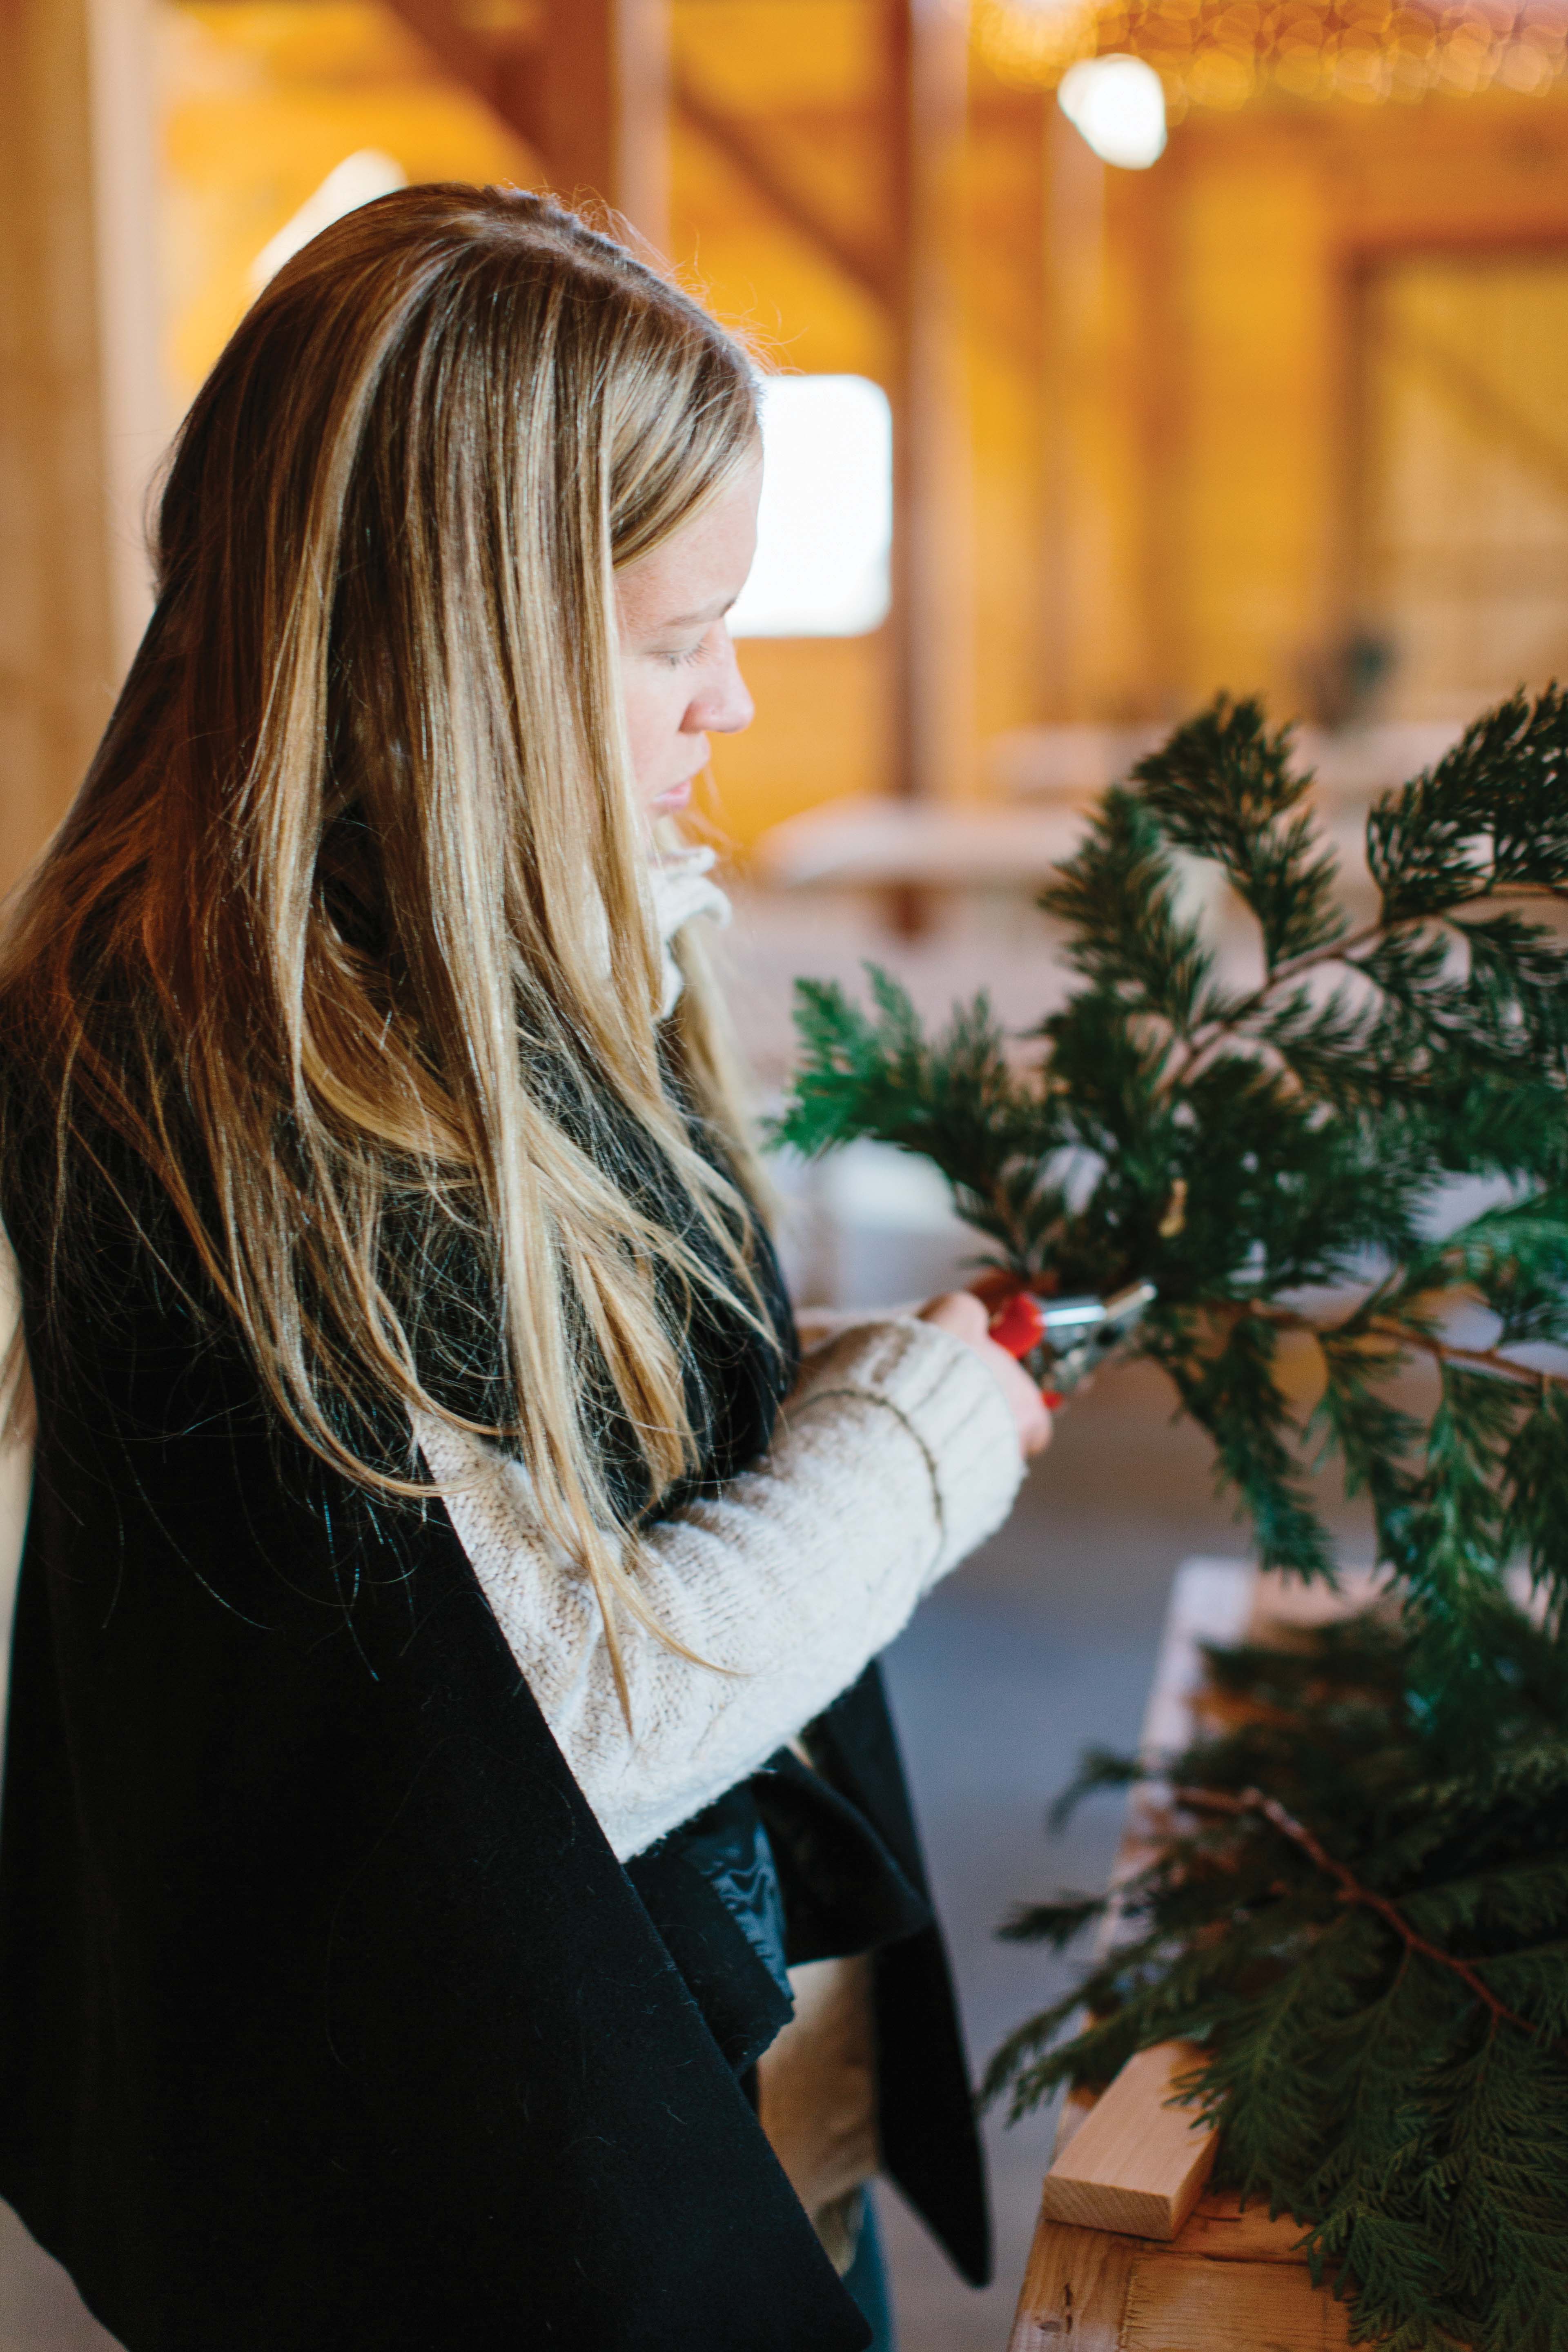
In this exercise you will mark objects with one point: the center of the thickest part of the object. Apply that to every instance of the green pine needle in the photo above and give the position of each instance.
(1359, 2081)
(1275, 1158)
(1242, 1146)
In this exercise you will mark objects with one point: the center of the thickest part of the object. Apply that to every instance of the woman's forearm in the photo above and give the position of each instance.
(895, 1457)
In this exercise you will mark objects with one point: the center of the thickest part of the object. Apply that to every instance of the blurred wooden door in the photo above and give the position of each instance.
(1463, 478)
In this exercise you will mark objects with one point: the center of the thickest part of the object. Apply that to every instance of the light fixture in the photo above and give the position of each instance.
(1117, 105)
(1218, 53)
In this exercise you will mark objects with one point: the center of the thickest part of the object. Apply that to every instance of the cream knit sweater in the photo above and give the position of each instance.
(896, 1455)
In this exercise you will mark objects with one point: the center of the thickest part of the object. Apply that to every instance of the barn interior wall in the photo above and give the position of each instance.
(1160, 447)
(82, 404)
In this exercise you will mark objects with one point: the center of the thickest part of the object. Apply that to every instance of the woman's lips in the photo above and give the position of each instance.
(673, 797)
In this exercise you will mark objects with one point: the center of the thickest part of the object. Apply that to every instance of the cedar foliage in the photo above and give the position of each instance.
(1278, 1155)
(1417, 2125)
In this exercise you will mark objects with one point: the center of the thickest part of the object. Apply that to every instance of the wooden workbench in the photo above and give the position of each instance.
(1230, 2282)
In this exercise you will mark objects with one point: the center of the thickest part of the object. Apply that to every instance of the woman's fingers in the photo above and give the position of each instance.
(960, 1312)
(1030, 1411)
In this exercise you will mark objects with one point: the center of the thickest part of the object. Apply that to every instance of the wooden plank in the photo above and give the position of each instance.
(1178, 2303)
(1219, 2230)
(1075, 2292)
(1136, 2163)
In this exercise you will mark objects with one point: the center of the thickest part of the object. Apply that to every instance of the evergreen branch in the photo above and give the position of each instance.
(1236, 1019)
(1373, 1875)
(1222, 787)
(1233, 1146)
(1411, 1334)
(1483, 1359)
(1373, 2096)
(1351, 1889)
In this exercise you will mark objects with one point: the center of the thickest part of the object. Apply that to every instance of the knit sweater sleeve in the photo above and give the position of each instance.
(894, 1456)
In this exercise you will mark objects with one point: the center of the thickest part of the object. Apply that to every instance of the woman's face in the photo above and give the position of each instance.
(680, 678)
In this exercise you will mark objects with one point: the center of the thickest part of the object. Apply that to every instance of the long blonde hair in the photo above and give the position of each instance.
(350, 911)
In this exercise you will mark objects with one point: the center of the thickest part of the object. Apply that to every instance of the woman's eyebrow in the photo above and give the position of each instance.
(713, 611)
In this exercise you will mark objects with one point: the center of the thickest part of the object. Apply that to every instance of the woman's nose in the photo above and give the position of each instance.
(724, 707)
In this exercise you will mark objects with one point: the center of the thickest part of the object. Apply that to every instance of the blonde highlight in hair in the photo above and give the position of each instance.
(350, 916)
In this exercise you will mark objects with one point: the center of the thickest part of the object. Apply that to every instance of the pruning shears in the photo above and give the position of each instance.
(1061, 1341)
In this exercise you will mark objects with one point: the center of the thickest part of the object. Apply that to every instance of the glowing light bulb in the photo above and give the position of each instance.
(1117, 105)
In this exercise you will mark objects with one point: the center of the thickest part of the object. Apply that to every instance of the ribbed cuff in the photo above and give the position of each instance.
(953, 1407)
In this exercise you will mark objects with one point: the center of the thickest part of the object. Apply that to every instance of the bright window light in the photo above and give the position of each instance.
(825, 534)
(356, 181)
(1119, 106)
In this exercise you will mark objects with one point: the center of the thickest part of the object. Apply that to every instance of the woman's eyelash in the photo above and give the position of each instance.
(684, 659)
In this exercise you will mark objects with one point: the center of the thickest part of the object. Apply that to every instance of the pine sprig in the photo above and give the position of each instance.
(1362, 1916)
(1239, 1146)
(1223, 788)
(1374, 1957)
(956, 1099)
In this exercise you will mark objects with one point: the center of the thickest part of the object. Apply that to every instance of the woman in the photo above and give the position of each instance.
(445, 1745)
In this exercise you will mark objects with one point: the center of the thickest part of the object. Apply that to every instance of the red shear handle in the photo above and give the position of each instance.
(1018, 1324)
(1019, 1327)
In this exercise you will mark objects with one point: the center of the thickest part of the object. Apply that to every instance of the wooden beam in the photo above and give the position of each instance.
(590, 94)
(1072, 390)
(606, 117)
(508, 75)
(464, 55)
(83, 417)
(869, 268)
(925, 75)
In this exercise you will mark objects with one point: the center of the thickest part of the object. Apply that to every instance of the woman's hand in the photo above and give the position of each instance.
(960, 1312)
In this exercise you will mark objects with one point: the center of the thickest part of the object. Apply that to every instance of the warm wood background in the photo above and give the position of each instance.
(1179, 429)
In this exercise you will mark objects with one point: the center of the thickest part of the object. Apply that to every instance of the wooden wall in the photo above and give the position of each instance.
(1155, 476)
(1219, 475)
(81, 406)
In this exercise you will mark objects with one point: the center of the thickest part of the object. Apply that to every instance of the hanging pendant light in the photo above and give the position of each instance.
(1117, 105)
(1219, 53)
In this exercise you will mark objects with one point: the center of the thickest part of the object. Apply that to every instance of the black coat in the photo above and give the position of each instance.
(328, 2021)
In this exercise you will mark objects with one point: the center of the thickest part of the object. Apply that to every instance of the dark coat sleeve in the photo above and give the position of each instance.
(328, 2021)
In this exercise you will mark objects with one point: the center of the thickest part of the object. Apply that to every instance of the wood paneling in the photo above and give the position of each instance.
(81, 405)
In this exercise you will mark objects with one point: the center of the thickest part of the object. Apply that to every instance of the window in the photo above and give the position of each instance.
(825, 529)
